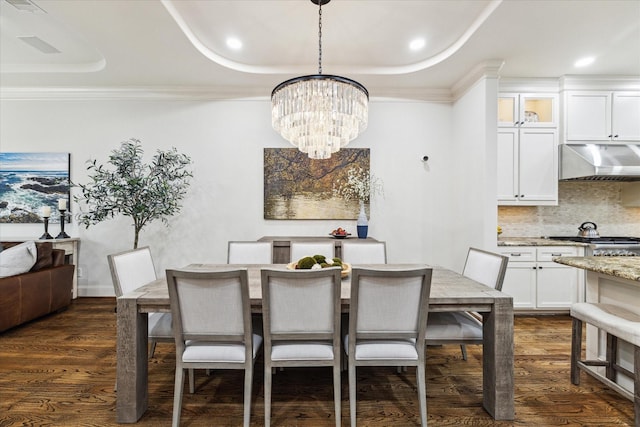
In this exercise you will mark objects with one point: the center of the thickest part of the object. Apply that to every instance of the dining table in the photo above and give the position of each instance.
(450, 291)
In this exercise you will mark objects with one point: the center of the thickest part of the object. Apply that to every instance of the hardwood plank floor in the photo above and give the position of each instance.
(60, 371)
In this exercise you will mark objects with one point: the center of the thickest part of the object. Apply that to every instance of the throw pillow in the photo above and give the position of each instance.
(18, 259)
(45, 258)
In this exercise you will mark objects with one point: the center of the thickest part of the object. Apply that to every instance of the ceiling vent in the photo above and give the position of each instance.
(25, 6)
(38, 43)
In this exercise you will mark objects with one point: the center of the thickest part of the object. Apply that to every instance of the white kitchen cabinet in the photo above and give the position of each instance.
(603, 116)
(539, 284)
(527, 171)
(527, 110)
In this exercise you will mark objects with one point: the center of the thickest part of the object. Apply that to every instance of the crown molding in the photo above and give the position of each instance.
(510, 84)
(571, 82)
(487, 69)
(194, 93)
(128, 93)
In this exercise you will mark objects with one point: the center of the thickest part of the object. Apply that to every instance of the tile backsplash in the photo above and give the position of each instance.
(579, 201)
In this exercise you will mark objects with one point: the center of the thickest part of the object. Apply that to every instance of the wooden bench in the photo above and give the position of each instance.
(618, 323)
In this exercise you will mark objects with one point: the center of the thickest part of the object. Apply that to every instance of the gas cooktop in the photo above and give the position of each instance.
(604, 240)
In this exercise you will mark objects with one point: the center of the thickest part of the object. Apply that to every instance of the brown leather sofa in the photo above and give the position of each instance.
(46, 288)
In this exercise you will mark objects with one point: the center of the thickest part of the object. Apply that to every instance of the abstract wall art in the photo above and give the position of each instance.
(296, 187)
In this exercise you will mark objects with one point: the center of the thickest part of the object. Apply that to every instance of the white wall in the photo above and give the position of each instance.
(472, 218)
(424, 204)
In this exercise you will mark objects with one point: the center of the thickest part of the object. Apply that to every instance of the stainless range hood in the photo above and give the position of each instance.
(599, 162)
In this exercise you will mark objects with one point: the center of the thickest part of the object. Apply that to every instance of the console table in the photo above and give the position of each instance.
(282, 245)
(70, 247)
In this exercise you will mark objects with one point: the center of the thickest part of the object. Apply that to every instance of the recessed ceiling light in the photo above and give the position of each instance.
(417, 44)
(583, 62)
(234, 43)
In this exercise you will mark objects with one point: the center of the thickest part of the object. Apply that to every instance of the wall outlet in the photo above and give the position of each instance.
(80, 272)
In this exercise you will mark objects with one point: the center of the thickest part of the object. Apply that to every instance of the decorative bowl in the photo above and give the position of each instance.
(346, 268)
(339, 236)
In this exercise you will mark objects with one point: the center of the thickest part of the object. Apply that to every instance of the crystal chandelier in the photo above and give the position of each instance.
(319, 113)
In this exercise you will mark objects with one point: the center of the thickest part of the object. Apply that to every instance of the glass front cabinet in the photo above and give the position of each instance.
(527, 110)
(527, 148)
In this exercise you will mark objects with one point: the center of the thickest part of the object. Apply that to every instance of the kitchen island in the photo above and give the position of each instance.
(610, 280)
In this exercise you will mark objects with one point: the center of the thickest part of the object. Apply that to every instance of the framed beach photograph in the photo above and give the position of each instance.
(31, 182)
(296, 187)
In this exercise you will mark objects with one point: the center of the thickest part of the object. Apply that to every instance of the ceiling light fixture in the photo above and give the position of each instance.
(234, 43)
(416, 44)
(583, 62)
(319, 113)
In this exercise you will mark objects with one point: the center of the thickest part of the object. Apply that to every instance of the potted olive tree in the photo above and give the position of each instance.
(144, 192)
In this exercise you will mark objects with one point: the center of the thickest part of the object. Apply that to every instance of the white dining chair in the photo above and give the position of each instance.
(355, 252)
(303, 249)
(301, 322)
(387, 324)
(459, 327)
(249, 252)
(212, 327)
(130, 270)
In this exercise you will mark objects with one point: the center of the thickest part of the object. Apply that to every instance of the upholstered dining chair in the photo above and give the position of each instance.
(249, 252)
(355, 252)
(130, 270)
(387, 323)
(301, 322)
(462, 327)
(302, 249)
(212, 327)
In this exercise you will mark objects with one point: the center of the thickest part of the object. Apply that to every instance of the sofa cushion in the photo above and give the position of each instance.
(18, 259)
(45, 256)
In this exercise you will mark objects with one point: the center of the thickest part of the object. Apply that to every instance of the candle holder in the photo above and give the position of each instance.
(46, 234)
(62, 234)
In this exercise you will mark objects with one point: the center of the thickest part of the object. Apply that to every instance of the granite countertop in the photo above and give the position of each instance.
(616, 266)
(536, 241)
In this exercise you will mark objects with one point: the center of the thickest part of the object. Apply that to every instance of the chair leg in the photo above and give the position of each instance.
(192, 382)
(248, 380)
(422, 393)
(177, 396)
(463, 349)
(352, 392)
(336, 392)
(267, 392)
(576, 350)
(152, 349)
(636, 383)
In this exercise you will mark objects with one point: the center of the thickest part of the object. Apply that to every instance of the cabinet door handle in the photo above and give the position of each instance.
(522, 195)
(610, 136)
(516, 254)
(615, 136)
(556, 254)
(540, 267)
(534, 267)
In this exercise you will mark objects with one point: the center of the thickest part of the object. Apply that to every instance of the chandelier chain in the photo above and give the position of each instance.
(320, 37)
(319, 113)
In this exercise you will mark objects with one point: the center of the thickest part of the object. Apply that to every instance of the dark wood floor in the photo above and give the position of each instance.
(60, 371)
